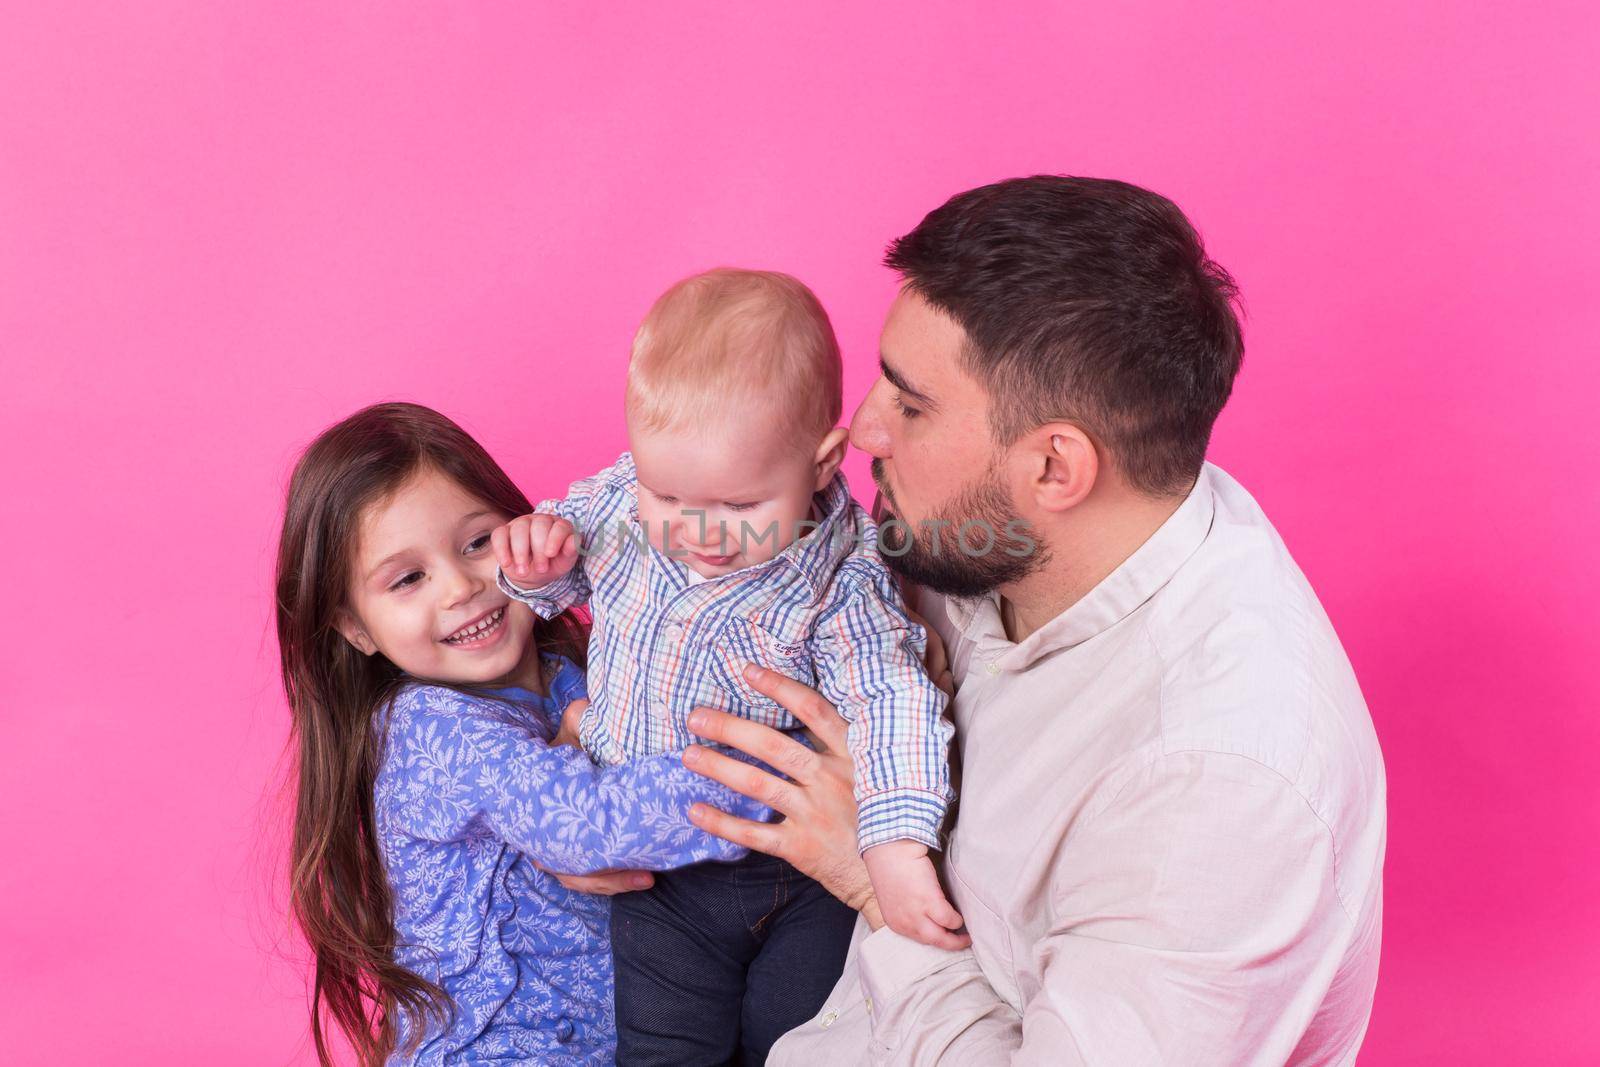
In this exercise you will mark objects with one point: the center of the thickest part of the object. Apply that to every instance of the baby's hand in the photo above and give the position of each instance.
(535, 550)
(909, 896)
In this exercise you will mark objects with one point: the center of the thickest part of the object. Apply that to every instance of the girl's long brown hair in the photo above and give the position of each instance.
(338, 891)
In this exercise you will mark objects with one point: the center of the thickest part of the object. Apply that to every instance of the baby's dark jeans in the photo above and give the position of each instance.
(719, 960)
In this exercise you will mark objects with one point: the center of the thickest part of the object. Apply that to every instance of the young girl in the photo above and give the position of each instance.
(432, 797)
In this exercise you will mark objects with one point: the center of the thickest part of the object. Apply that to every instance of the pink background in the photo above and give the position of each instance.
(224, 226)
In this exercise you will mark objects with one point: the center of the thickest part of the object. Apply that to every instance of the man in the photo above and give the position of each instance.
(1170, 833)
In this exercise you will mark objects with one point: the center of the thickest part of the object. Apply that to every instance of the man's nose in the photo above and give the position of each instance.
(868, 429)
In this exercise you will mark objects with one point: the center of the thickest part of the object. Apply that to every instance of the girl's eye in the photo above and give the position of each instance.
(478, 543)
(905, 409)
(410, 578)
(741, 507)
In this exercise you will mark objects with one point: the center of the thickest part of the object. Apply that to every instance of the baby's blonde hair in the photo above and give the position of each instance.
(731, 340)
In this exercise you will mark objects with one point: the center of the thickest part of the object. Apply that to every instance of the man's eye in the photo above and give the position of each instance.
(411, 578)
(905, 409)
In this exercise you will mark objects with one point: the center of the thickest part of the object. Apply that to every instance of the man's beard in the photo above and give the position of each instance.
(997, 549)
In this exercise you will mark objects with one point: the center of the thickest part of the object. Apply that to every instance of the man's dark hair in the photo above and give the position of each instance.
(1090, 301)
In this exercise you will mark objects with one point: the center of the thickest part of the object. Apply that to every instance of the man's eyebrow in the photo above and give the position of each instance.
(904, 386)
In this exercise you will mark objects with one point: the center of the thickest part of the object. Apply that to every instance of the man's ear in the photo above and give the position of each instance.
(1061, 465)
(830, 453)
(354, 633)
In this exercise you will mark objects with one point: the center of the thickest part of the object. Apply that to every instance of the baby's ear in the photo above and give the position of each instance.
(354, 633)
(830, 454)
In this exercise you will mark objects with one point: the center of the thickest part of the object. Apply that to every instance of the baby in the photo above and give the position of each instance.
(727, 536)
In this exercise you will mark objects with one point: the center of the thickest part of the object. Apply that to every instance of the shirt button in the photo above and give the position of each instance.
(869, 1005)
(992, 667)
(828, 1019)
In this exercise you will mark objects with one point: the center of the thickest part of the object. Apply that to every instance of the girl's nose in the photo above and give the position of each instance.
(461, 584)
(869, 431)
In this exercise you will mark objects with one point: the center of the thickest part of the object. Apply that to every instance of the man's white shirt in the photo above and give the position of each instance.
(1169, 841)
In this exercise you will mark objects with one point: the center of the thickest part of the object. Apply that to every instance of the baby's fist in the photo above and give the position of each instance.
(909, 896)
(535, 550)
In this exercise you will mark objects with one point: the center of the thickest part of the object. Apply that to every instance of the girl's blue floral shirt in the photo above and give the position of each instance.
(469, 796)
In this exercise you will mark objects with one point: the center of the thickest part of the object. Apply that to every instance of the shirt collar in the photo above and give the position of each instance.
(1139, 578)
(817, 555)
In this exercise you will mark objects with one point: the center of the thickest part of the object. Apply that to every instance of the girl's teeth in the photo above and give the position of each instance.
(477, 628)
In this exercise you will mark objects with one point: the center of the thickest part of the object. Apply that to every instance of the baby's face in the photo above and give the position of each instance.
(725, 501)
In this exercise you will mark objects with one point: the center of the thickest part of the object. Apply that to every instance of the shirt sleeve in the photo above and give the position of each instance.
(868, 656)
(1193, 920)
(460, 767)
(586, 506)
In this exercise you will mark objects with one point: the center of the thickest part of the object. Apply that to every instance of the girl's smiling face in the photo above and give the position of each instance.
(422, 589)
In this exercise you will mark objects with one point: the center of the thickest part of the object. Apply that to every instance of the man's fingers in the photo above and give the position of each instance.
(758, 836)
(937, 662)
(739, 776)
(804, 703)
(771, 747)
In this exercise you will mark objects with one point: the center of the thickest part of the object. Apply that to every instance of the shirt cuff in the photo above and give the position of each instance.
(899, 815)
(890, 964)
(545, 600)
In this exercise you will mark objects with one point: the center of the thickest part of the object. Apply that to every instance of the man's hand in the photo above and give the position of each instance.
(936, 661)
(818, 832)
(535, 550)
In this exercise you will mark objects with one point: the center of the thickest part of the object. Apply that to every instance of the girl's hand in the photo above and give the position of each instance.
(603, 883)
(568, 734)
(818, 832)
(535, 550)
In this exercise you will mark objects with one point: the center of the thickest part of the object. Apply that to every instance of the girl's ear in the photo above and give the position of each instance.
(830, 453)
(354, 633)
